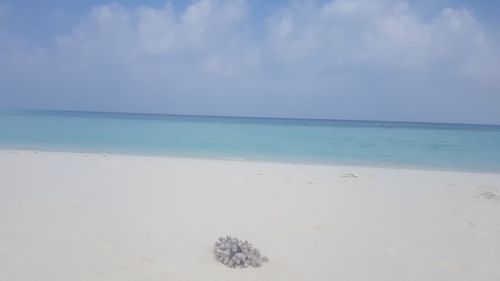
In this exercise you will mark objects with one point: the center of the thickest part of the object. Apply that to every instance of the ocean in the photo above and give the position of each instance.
(439, 146)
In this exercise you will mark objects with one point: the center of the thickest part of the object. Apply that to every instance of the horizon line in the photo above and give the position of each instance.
(241, 116)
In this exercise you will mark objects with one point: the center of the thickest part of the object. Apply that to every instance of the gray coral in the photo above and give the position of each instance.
(236, 253)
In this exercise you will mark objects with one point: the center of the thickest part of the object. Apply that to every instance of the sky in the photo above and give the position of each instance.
(398, 60)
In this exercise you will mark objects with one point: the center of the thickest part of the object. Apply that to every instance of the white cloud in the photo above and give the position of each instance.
(141, 35)
(205, 24)
(106, 34)
(383, 33)
(211, 35)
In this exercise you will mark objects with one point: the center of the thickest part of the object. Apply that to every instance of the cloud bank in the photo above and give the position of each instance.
(354, 59)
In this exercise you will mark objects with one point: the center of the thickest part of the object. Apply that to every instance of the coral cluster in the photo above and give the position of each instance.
(235, 253)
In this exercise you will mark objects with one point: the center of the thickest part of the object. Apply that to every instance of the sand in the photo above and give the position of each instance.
(70, 216)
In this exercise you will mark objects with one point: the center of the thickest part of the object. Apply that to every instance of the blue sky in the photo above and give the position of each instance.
(343, 59)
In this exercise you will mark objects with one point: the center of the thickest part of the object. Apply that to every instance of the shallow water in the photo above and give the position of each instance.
(369, 143)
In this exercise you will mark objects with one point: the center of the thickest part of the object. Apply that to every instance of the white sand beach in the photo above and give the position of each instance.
(76, 216)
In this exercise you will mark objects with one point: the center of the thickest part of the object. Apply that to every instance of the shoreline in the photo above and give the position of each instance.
(243, 160)
(76, 216)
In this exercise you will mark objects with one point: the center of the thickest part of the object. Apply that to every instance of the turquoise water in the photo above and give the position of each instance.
(367, 143)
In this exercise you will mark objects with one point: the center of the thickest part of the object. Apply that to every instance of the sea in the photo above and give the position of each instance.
(436, 146)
